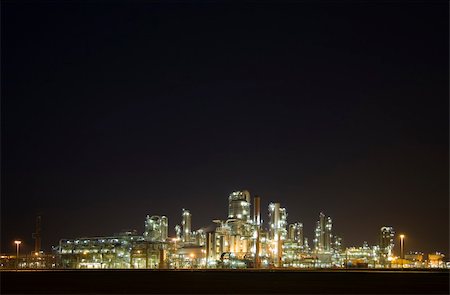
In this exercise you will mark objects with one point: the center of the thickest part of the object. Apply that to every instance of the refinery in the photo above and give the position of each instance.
(242, 240)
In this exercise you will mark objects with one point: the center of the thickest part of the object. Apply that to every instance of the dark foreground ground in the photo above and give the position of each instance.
(228, 282)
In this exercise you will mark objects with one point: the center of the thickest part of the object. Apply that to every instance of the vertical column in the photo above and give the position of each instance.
(257, 222)
(164, 228)
(186, 223)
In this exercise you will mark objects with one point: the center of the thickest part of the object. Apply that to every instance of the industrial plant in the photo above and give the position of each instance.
(242, 240)
(239, 241)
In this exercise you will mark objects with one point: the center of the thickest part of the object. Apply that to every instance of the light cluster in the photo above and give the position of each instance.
(240, 241)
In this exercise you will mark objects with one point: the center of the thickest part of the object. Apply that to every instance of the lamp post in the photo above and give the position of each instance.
(402, 244)
(17, 252)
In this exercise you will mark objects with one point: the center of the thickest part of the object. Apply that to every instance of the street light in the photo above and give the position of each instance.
(17, 255)
(402, 244)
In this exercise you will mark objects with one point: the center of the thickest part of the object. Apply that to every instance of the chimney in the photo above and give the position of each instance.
(257, 221)
(257, 211)
(37, 235)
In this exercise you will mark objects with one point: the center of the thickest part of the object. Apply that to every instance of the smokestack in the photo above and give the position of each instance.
(257, 211)
(257, 221)
(276, 217)
(37, 235)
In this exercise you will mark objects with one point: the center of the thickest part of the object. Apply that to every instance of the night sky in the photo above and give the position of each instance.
(114, 111)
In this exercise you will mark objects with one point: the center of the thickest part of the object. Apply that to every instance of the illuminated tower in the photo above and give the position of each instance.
(327, 235)
(178, 232)
(319, 233)
(164, 228)
(239, 205)
(274, 220)
(291, 232)
(306, 247)
(151, 232)
(296, 233)
(257, 233)
(277, 230)
(337, 244)
(322, 240)
(283, 224)
(156, 228)
(186, 223)
(257, 211)
(387, 234)
(299, 235)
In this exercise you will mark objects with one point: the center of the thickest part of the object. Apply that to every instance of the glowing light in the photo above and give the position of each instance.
(17, 242)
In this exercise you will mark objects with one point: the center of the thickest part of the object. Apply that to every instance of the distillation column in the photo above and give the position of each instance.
(257, 222)
(186, 223)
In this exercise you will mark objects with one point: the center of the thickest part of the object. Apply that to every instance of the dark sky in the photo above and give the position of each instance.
(111, 112)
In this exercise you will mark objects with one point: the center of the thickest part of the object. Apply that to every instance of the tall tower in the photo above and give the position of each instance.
(337, 244)
(299, 235)
(178, 232)
(164, 228)
(186, 223)
(239, 205)
(319, 233)
(306, 245)
(37, 235)
(296, 233)
(274, 221)
(257, 211)
(156, 228)
(323, 235)
(257, 223)
(277, 230)
(327, 234)
(387, 234)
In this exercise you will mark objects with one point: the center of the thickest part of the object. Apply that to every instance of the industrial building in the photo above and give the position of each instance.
(123, 250)
(241, 240)
(386, 245)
